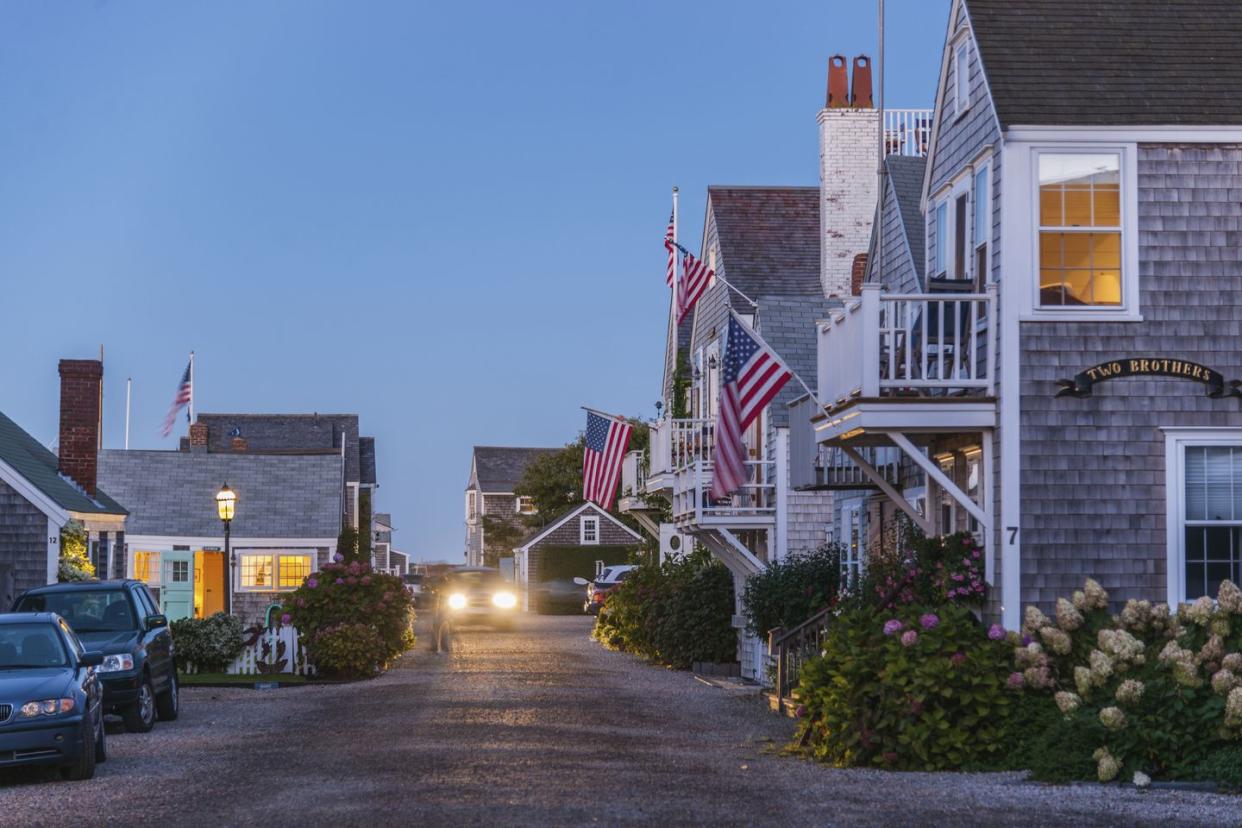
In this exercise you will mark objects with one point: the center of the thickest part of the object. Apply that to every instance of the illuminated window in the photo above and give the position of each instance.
(147, 567)
(526, 505)
(293, 570)
(1079, 229)
(256, 571)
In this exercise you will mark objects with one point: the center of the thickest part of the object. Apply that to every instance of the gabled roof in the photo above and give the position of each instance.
(278, 495)
(769, 239)
(788, 325)
(905, 176)
(1111, 62)
(40, 468)
(499, 468)
(535, 537)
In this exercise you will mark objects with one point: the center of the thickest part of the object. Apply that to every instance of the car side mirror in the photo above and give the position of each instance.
(581, 581)
(91, 659)
(154, 622)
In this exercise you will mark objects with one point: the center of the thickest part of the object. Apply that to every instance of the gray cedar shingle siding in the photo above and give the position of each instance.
(1093, 477)
(23, 540)
(788, 325)
(611, 534)
(279, 496)
(1112, 62)
(902, 225)
(289, 432)
(959, 140)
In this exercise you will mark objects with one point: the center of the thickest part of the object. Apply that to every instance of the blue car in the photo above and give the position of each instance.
(51, 700)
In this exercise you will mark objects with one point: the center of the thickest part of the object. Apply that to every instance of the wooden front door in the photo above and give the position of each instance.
(208, 583)
(177, 593)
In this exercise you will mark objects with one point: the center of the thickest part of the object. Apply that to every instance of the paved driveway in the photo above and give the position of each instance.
(536, 727)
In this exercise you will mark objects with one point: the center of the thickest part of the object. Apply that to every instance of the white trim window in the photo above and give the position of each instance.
(273, 570)
(1204, 486)
(1080, 231)
(982, 197)
(961, 78)
(853, 528)
(953, 232)
(588, 530)
(472, 506)
(525, 505)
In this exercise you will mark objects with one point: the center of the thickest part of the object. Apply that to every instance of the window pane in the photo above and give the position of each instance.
(942, 236)
(1195, 581)
(960, 215)
(1218, 475)
(1079, 190)
(1077, 287)
(1050, 250)
(1106, 250)
(1196, 484)
(1050, 288)
(256, 571)
(1076, 250)
(1107, 205)
(1077, 207)
(1107, 287)
(983, 225)
(293, 570)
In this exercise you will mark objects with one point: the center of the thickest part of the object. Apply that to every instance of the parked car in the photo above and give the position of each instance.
(476, 595)
(414, 585)
(604, 584)
(121, 620)
(556, 597)
(51, 699)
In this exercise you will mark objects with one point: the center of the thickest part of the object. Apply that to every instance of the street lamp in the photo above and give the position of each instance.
(226, 505)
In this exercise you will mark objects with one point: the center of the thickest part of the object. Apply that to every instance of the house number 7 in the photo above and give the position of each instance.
(1013, 534)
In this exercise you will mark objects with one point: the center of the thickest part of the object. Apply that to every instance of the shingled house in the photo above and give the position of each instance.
(288, 516)
(571, 546)
(40, 491)
(1063, 371)
(494, 473)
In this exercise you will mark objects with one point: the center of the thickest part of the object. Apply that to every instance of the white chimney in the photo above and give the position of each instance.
(848, 159)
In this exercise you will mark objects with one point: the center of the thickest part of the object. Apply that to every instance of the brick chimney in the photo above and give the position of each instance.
(238, 444)
(857, 273)
(81, 411)
(198, 437)
(848, 160)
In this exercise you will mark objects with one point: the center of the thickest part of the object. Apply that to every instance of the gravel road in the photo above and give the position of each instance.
(536, 727)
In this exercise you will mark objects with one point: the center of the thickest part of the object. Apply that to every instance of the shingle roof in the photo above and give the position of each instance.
(1111, 62)
(499, 468)
(291, 432)
(39, 466)
(905, 175)
(769, 239)
(788, 325)
(278, 496)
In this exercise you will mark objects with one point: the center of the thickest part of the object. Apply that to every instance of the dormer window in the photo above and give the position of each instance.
(1080, 229)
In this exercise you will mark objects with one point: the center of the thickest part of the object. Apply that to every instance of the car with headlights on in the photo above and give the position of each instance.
(477, 595)
(51, 699)
(121, 620)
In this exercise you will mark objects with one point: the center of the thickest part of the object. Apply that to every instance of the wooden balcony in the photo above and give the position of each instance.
(907, 362)
(907, 131)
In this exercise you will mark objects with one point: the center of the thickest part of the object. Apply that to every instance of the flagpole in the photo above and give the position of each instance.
(672, 318)
(191, 386)
(129, 385)
(722, 280)
(794, 373)
(604, 414)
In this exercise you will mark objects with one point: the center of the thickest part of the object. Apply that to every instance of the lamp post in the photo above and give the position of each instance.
(226, 505)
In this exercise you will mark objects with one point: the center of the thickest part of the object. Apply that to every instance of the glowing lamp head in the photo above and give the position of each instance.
(226, 502)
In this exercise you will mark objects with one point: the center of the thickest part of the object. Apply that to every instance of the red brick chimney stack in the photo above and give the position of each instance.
(81, 412)
(198, 437)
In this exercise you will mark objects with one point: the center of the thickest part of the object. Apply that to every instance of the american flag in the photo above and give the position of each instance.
(185, 392)
(607, 439)
(751, 376)
(695, 277)
(672, 250)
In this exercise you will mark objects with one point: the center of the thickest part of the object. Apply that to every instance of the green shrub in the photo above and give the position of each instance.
(350, 593)
(789, 591)
(209, 644)
(1145, 691)
(678, 613)
(74, 564)
(1222, 764)
(347, 650)
(912, 689)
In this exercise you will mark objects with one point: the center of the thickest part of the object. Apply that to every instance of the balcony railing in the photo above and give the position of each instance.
(908, 345)
(907, 131)
(835, 470)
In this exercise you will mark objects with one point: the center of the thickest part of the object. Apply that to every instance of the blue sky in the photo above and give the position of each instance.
(444, 217)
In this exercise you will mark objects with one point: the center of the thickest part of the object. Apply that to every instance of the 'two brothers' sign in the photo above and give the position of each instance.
(1080, 385)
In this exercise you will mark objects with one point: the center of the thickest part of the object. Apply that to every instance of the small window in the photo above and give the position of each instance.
(589, 531)
(961, 78)
(853, 525)
(526, 505)
(180, 572)
(1079, 229)
(472, 506)
(983, 226)
(147, 567)
(256, 571)
(293, 570)
(942, 239)
(961, 213)
(272, 571)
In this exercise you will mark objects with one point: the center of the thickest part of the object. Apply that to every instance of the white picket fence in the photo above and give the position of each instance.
(277, 650)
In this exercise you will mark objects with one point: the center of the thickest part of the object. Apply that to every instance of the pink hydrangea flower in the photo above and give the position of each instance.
(1016, 681)
(909, 638)
(958, 659)
(351, 580)
(366, 579)
(286, 618)
(996, 632)
(930, 621)
(312, 583)
(338, 557)
(340, 581)
(892, 626)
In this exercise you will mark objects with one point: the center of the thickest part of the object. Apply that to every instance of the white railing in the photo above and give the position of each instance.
(275, 650)
(691, 440)
(908, 344)
(633, 474)
(836, 470)
(659, 456)
(693, 446)
(907, 131)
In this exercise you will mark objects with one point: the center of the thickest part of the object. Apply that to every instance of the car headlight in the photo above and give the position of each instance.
(116, 663)
(46, 707)
(505, 600)
(457, 601)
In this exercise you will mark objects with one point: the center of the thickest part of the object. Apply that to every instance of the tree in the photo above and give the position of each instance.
(499, 538)
(347, 543)
(74, 564)
(364, 526)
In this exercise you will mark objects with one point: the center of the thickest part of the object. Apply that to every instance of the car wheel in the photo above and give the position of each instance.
(83, 767)
(101, 741)
(168, 704)
(140, 716)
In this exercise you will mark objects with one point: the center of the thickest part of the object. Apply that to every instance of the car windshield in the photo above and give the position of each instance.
(31, 645)
(475, 580)
(87, 611)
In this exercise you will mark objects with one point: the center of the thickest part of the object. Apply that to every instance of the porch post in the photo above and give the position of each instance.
(870, 311)
(780, 545)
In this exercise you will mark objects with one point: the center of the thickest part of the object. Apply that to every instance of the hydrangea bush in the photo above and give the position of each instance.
(351, 594)
(1158, 692)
